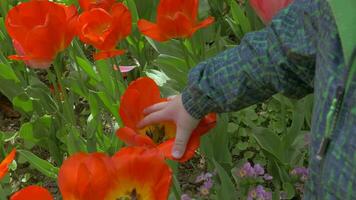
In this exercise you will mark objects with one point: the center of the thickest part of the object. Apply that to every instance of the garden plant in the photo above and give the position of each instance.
(76, 77)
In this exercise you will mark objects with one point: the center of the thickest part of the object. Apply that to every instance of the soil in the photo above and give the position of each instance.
(9, 118)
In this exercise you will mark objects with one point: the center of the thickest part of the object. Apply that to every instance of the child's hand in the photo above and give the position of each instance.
(174, 111)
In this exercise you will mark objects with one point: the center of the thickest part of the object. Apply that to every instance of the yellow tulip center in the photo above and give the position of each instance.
(133, 195)
(159, 132)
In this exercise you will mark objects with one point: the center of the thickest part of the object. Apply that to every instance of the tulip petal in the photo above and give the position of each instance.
(86, 176)
(151, 30)
(206, 22)
(175, 19)
(193, 144)
(90, 4)
(144, 171)
(140, 94)
(94, 26)
(42, 29)
(208, 122)
(4, 165)
(266, 10)
(32, 193)
(108, 54)
(131, 138)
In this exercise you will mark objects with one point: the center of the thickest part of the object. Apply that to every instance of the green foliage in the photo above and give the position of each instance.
(80, 113)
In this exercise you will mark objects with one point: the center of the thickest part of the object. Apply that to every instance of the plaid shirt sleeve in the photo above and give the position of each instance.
(279, 58)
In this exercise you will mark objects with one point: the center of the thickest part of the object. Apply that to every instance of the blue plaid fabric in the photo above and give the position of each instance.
(297, 54)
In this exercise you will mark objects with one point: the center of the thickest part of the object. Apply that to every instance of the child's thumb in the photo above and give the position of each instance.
(180, 143)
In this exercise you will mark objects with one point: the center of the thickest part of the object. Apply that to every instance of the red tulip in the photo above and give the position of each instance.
(140, 174)
(141, 94)
(267, 9)
(86, 176)
(40, 30)
(32, 193)
(104, 29)
(131, 173)
(90, 4)
(175, 19)
(4, 165)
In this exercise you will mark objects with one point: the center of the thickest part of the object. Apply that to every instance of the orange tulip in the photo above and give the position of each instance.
(4, 165)
(32, 193)
(40, 30)
(90, 4)
(86, 176)
(141, 94)
(104, 29)
(133, 173)
(175, 19)
(267, 9)
(141, 174)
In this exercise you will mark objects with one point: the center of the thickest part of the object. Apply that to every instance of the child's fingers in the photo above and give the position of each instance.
(154, 108)
(153, 118)
(171, 97)
(180, 142)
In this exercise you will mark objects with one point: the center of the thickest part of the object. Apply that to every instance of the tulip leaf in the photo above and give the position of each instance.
(239, 17)
(88, 68)
(268, 141)
(133, 9)
(8, 73)
(41, 165)
(227, 189)
(23, 102)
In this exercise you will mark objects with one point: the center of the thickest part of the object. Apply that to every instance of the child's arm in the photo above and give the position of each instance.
(279, 58)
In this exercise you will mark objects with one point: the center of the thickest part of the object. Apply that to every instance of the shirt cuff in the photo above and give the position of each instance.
(196, 104)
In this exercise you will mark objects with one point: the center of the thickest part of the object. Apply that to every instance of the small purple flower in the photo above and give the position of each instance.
(267, 196)
(200, 178)
(185, 197)
(302, 172)
(259, 193)
(208, 184)
(252, 194)
(267, 177)
(247, 170)
(204, 191)
(259, 169)
(203, 177)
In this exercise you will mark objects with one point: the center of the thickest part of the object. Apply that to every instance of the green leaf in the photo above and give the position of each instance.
(289, 189)
(8, 73)
(41, 165)
(93, 104)
(88, 68)
(268, 141)
(26, 132)
(75, 142)
(109, 104)
(132, 7)
(239, 17)
(216, 143)
(227, 189)
(105, 71)
(23, 102)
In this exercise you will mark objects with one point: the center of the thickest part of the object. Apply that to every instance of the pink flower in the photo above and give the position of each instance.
(124, 69)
